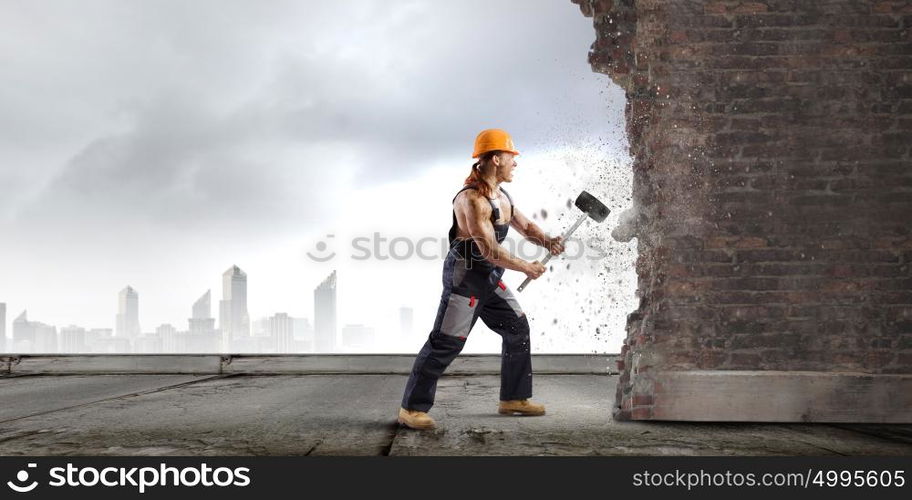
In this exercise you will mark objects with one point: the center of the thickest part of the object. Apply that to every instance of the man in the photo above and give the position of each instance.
(472, 286)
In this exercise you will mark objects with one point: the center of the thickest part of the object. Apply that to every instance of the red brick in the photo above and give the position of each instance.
(641, 413)
(773, 183)
(642, 400)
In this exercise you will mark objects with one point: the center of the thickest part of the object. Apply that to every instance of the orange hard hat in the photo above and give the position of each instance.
(493, 139)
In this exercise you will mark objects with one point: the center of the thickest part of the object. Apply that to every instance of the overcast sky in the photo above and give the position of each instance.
(157, 143)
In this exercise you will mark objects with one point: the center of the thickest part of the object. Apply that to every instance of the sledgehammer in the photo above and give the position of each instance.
(591, 207)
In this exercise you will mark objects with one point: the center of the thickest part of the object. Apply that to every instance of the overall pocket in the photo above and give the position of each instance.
(457, 320)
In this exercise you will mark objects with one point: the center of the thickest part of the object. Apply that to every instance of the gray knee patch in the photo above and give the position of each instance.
(503, 292)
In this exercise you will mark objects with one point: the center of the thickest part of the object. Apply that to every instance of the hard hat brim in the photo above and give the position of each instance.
(476, 155)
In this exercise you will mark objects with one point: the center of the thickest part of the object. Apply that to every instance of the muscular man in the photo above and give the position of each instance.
(472, 286)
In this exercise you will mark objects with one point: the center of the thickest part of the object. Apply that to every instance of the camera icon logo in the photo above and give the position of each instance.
(21, 477)
(321, 247)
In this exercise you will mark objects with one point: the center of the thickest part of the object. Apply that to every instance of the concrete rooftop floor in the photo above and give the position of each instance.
(354, 414)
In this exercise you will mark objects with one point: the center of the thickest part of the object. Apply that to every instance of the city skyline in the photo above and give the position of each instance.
(289, 333)
(157, 165)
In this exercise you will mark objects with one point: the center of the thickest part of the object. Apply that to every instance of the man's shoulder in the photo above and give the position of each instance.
(471, 199)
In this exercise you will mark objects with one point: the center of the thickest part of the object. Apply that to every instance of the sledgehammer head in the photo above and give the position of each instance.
(590, 205)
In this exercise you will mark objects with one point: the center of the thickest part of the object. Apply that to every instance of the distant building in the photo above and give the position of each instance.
(23, 334)
(253, 345)
(170, 342)
(73, 340)
(148, 343)
(303, 335)
(202, 336)
(357, 337)
(45, 338)
(127, 321)
(259, 327)
(303, 330)
(202, 308)
(166, 331)
(234, 321)
(325, 315)
(263, 339)
(33, 336)
(95, 339)
(199, 343)
(113, 345)
(281, 329)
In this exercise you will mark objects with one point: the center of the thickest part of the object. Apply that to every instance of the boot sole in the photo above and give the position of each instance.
(522, 413)
(417, 427)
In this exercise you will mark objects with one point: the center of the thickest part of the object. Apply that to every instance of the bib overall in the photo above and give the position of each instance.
(472, 289)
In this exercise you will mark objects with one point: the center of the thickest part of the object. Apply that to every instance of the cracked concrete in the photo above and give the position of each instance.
(355, 415)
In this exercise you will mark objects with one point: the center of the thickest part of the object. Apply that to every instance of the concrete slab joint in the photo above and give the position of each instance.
(224, 362)
(215, 364)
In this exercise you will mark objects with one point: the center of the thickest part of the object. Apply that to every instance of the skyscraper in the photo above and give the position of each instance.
(23, 334)
(202, 320)
(233, 318)
(325, 315)
(127, 324)
(202, 308)
(202, 336)
(2, 327)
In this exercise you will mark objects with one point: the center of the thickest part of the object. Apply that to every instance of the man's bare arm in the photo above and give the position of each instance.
(534, 233)
(477, 213)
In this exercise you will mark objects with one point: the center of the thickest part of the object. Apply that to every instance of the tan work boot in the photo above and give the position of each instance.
(416, 419)
(520, 406)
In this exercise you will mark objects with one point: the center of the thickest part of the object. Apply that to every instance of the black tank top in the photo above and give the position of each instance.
(464, 247)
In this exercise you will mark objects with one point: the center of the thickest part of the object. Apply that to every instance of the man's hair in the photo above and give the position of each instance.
(474, 178)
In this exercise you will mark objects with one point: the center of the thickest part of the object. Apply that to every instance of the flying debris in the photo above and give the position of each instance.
(626, 229)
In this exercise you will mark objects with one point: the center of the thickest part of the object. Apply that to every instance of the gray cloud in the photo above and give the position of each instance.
(212, 113)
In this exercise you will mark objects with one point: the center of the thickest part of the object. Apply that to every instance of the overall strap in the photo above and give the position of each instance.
(461, 190)
(509, 198)
(495, 210)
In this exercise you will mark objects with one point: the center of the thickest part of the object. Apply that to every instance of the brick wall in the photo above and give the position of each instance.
(772, 182)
